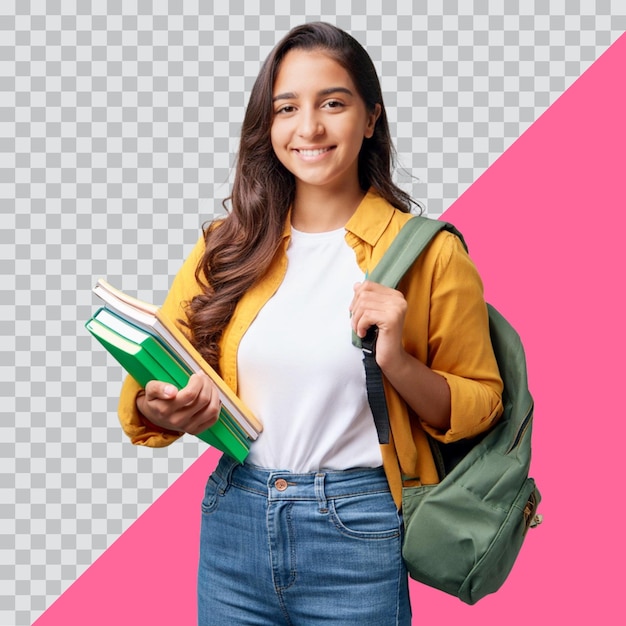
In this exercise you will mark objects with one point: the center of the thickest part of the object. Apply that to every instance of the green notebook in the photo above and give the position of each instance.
(145, 358)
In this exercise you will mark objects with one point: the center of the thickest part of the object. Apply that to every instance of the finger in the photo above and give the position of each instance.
(356, 288)
(205, 416)
(200, 424)
(192, 392)
(215, 405)
(361, 318)
(205, 397)
(366, 293)
(362, 322)
(157, 390)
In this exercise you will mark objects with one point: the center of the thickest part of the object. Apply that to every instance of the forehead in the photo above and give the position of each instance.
(303, 70)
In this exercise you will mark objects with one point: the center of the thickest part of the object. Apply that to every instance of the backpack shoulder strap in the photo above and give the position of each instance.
(404, 250)
(407, 246)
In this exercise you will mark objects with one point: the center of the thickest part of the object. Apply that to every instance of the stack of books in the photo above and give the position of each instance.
(149, 346)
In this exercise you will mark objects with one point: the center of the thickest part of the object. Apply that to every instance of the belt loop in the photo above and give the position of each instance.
(223, 473)
(320, 492)
(232, 466)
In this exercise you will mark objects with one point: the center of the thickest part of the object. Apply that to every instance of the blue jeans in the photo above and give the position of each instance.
(299, 549)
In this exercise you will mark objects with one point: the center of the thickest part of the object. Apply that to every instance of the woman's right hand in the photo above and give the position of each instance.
(192, 409)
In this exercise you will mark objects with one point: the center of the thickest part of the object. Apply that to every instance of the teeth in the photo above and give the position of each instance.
(312, 153)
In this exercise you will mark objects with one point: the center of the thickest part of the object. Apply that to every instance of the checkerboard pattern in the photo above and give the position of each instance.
(119, 126)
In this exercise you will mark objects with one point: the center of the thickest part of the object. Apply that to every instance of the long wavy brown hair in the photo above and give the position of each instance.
(241, 246)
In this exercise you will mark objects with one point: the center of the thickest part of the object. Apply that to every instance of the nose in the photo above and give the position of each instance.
(309, 124)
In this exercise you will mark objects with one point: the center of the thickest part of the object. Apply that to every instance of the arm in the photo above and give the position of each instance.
(446, 330)
(424, 390)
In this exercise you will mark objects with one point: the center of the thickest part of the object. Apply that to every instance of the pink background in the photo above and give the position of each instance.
(544, 225)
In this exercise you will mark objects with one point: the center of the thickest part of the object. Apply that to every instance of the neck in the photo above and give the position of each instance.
(319, 210)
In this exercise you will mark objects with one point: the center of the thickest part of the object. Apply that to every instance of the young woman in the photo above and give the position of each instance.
(309, 529)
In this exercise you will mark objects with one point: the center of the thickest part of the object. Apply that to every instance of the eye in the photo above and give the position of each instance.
(285, 109)
(333, 104)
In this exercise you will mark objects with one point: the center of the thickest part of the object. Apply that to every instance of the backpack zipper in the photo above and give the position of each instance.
(522, 429)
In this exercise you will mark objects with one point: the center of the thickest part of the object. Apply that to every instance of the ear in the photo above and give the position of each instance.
(372, 118)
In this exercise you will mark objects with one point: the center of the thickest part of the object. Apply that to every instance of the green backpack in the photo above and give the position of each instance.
(462, 536)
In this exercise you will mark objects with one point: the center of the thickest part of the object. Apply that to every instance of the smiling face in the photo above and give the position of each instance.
(319, 122)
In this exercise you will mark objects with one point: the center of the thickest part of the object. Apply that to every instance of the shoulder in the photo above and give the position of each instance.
(443, 261)
(449, 263)
(446, 246)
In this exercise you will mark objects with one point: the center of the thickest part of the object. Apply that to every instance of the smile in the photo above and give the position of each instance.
(313, 153)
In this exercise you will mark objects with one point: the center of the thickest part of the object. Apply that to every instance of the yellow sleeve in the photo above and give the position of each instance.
(136, 426)
(459, 345)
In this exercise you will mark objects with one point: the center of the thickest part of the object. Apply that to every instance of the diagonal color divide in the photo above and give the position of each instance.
(544, 225)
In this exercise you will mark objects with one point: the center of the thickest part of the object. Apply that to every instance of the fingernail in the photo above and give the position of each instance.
(169, 390)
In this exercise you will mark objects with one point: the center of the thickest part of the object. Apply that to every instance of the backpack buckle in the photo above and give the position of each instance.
(368, 343)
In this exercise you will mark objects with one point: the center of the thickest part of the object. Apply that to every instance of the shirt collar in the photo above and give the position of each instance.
(371, 218)
(368, 222)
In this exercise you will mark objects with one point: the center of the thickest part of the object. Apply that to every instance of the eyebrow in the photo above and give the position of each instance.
(290, 95)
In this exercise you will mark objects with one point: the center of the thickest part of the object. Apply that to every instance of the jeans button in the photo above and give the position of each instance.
(281, 484)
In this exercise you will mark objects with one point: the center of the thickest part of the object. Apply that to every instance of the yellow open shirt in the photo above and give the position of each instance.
(446, 327)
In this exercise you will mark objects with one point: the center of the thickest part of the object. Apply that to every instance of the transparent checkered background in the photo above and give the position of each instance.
(119, 123)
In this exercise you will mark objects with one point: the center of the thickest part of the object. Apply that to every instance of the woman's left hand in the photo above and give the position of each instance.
(376, 305)
(424, 390)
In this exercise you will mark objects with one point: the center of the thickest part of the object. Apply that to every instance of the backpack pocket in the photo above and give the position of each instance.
(458, 542)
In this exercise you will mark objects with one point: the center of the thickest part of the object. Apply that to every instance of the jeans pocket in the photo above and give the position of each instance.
(214, 489)
(366, 516)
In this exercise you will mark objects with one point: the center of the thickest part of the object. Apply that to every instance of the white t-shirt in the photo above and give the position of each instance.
(298, 370)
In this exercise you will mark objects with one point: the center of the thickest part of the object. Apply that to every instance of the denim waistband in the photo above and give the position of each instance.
(285, 485)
